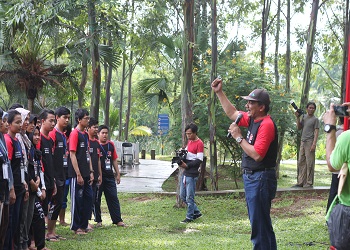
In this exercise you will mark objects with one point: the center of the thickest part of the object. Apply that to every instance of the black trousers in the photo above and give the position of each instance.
(333, 190)
(38, 225)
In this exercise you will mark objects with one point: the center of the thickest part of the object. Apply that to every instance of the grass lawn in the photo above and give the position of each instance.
(154, 223)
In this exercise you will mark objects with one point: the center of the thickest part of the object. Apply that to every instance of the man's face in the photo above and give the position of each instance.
(311, 109)
(15, 126)
(63, 120)
(190, 135)
(103, 135)
(93, 130)
(84, 122)
(253, 108)
(49, 123)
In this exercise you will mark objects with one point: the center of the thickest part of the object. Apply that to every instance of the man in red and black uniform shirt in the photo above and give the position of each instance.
(81, 173)
(94, 147)
(45, 145)
(258, 160)
(108, 186)
(62, 115)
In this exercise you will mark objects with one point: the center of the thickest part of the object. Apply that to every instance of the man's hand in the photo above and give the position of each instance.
(216, 85)
(12, 196)
(329, 117)
(80, 180)
(54, 192)
(91, 178)
(183, 165)
(117, 178)
(235, 130)
(43, 194)
(99, 180)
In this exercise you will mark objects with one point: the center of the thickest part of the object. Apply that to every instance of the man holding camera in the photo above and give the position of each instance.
(258, 160)
(194, 158)
(306, 163)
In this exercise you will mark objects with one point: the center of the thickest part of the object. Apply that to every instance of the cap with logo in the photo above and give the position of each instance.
(258, 95)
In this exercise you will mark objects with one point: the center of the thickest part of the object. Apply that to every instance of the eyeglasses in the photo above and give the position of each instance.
(86, 118)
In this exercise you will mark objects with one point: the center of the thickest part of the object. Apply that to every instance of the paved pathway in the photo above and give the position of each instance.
(146, 177)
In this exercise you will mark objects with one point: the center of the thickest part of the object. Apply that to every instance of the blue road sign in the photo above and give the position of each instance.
(163, 124)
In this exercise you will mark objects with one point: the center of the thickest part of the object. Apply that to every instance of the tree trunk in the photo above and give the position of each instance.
(277, 40)
(127, 115)
(212, 101)
(264, 29)
(95, 59)
(187, 65)
(83, 80)
(288, 49)
(108, 87)
(121, 100)
(309, 54)
(345, 51)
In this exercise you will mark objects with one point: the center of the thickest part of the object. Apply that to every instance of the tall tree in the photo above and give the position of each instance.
(309, 53)
(95, 58)
(264, 30)
(212, 100)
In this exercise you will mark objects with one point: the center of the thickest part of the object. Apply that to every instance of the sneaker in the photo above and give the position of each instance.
(186, 221)
(196, 216)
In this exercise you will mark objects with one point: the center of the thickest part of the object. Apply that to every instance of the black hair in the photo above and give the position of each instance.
(16, 105)
(30, 135)
(102, 127)
(310, 103)
(44, 113)
(1, 113)
(68, 129)
(62, 111)
(92, 122)
(193, 128)
(12, 113)
(80, 114)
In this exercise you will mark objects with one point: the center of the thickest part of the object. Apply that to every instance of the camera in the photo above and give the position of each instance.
(180, 156)
(300, 111)
(341, 110)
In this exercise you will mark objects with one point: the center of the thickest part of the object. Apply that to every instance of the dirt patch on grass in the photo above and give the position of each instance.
(295, 206)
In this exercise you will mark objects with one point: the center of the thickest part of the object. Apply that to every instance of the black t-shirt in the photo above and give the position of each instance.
(79, 142)
(59, 155)
(108, 154)
(45, 146)
(16, 158)
(94, 148)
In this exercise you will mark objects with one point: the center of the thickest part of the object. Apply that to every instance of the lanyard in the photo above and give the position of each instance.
(104, 149)
(3, 151)
(85, 137)
(63, 139)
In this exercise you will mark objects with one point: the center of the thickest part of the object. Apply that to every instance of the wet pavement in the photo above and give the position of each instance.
(148, 176)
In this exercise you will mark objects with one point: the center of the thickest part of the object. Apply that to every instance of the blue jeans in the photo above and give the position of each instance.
(187, 193)
(260, 189)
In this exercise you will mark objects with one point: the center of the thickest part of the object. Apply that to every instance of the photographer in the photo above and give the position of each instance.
(258, 160)
(306, 163)
(194, 158)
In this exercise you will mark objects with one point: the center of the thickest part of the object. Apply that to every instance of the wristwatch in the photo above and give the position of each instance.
(239, 140)
(328, 128)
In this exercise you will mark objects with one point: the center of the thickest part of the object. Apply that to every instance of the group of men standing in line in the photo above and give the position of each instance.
(40, 160)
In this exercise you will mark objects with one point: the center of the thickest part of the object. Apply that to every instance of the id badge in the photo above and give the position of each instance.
(65, 160)
(88, 157)
(22, 173)
(108, 164)
(5, 171)
(35, 168)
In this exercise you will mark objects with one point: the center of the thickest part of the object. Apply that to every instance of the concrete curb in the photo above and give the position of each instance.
(240, 192)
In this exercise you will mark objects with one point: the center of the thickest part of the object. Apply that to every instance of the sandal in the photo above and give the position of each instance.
(121, 224)
(51, 238)
(59, 237)
(80, 232)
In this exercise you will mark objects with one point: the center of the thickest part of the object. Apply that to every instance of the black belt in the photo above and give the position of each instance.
(247, 171)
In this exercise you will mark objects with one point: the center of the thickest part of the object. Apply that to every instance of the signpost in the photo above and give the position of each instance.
(163, 126)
